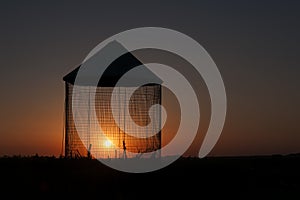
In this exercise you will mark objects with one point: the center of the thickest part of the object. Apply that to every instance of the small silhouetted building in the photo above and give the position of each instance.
(116, 143)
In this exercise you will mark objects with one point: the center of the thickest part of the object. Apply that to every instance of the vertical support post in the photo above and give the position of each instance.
(67, 150)
(89, 124)
(159, 121)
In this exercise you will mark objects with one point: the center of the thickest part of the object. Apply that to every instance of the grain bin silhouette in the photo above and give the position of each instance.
(115, 142)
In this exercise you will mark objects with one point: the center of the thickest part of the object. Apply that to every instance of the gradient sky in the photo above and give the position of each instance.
(255, 45)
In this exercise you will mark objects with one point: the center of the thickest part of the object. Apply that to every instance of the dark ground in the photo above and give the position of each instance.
(188, 178)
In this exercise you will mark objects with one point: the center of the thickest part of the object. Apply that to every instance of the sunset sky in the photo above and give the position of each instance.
(255, 45)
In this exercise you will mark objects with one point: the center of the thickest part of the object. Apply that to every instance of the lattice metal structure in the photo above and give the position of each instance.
(116, 142)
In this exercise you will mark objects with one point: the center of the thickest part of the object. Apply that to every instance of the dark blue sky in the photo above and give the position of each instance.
(255, 44)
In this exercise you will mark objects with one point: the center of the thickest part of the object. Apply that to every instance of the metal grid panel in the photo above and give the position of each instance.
(112, 145)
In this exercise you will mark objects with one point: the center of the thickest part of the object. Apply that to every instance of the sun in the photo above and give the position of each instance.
(107, 143)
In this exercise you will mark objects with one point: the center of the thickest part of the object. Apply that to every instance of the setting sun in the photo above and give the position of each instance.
(107, 143)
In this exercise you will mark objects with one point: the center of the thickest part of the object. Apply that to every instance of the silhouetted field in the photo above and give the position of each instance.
(187, 178)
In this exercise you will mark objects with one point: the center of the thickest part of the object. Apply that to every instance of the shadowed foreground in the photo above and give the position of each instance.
(188, 178)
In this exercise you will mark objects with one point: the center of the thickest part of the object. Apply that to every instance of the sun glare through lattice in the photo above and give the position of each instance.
(107, 143)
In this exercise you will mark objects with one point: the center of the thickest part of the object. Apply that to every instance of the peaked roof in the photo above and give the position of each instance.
(115, 70)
